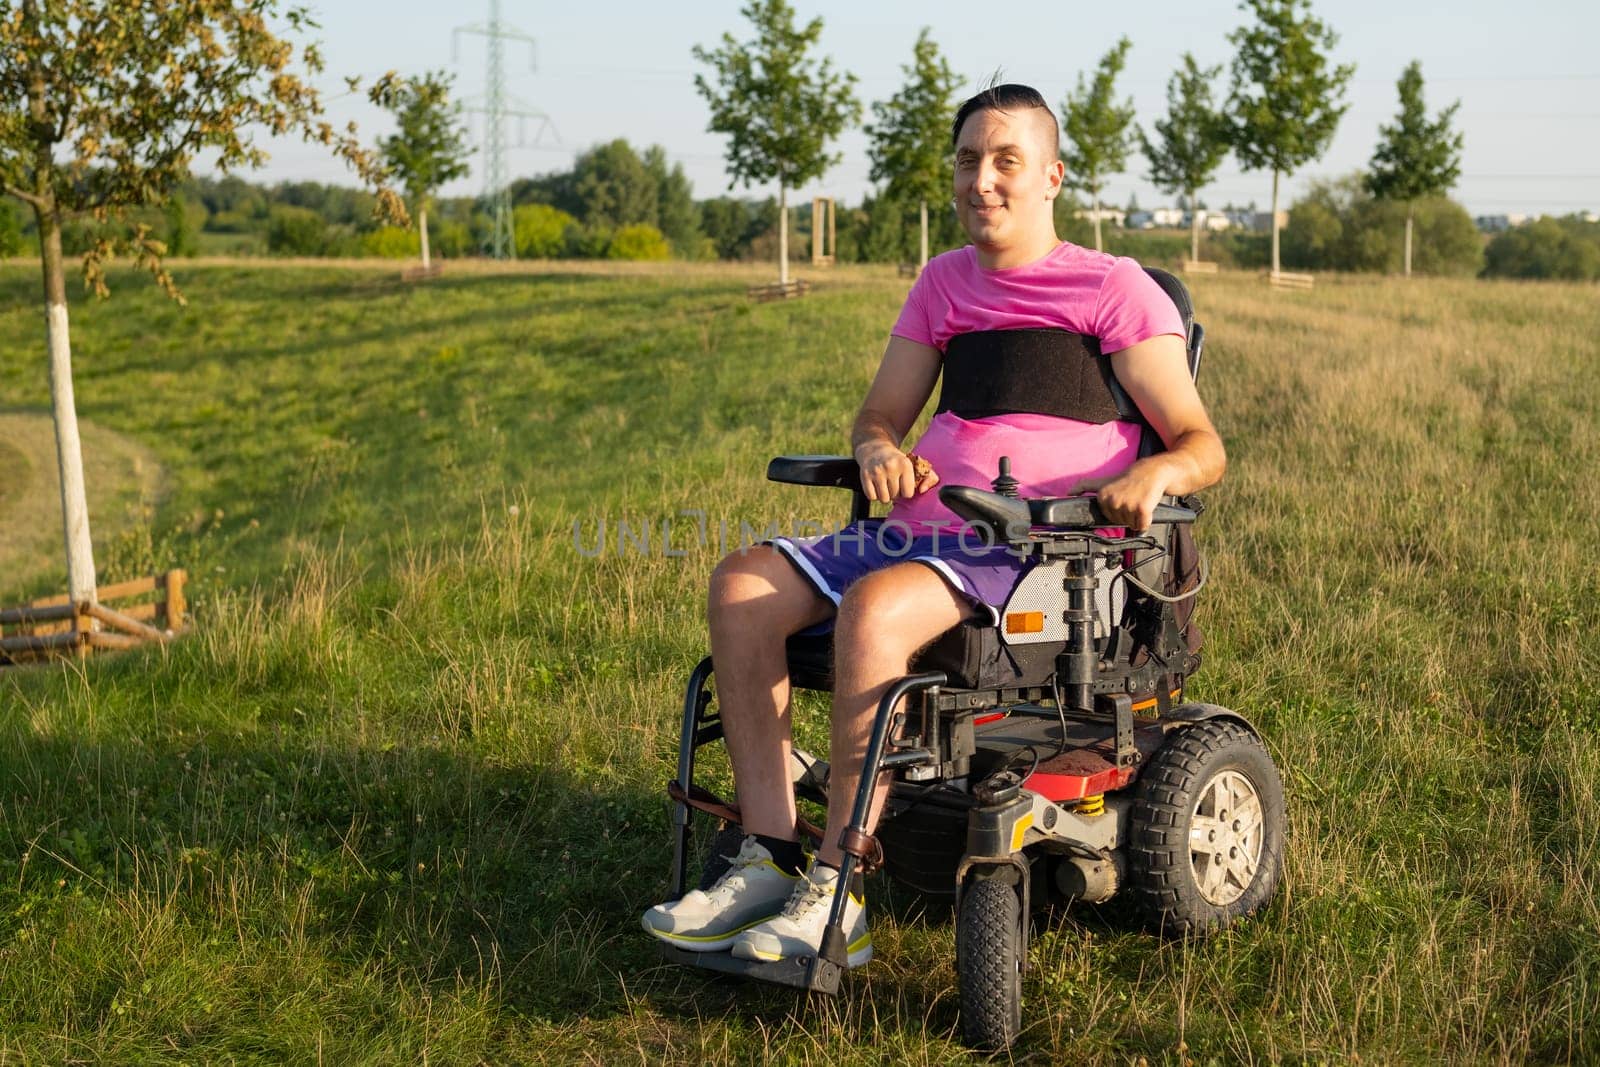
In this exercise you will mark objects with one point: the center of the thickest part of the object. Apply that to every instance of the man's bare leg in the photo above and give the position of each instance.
(884, 619)
(757, 600)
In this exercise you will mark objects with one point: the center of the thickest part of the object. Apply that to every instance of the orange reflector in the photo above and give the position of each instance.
(1025, 622)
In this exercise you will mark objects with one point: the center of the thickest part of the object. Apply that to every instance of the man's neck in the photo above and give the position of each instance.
(1019, 254)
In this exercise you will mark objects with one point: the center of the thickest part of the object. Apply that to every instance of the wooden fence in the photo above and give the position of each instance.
(776, 291)
(56, 626)
(1282, 279)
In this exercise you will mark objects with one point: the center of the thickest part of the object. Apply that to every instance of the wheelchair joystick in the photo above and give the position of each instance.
(1005, 485)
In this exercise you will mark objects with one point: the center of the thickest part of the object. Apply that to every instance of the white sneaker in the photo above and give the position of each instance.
(797, 931)
(752, 891)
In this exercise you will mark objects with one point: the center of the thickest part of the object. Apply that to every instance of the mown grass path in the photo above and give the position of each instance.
(398, 798)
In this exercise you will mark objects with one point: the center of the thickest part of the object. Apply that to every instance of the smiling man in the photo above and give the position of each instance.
(1019, 323)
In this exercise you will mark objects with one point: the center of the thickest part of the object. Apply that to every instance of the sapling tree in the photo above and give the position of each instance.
(1097, 130)
(911, 134)
(779, 107)
(1415, 158)
(1190, 142)
(429, 146)
(103, 107)
(1286, 98)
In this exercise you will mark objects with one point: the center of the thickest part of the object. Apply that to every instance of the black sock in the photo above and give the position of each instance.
(786, 855)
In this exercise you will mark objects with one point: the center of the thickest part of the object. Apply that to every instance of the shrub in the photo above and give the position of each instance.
(540, 231)
(1546, 248)
(296, 231)
(391, 242)
(638, 241)
(1339, 225)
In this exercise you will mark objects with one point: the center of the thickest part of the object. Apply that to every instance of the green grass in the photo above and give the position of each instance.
(398, 797)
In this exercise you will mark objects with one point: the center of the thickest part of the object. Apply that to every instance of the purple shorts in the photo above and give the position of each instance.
(833, 562)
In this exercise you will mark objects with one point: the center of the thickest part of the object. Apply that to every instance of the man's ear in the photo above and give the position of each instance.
(1056, 172)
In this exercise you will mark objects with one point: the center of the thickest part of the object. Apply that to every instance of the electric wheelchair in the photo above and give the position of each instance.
(1052, 756)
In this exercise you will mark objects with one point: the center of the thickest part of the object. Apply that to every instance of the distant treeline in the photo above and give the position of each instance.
(619, 203)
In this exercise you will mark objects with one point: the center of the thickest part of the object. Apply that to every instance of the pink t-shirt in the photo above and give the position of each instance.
(1070, 288)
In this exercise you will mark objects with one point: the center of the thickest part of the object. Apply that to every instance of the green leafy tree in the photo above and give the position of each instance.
(1286, 99)
(676, 214)
(614, 188)
(778, 107)
(911, 134)
(1415, 158)
(1190, 142)
(1097, 130)
(102, 108)
(429, 148)
(1546, 248)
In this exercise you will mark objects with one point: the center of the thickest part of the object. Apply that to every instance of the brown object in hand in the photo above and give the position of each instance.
(920, 467)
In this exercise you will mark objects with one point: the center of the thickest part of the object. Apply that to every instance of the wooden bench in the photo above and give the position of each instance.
(1284, 280)
(422, 274)
(55, 625)
(1198, 266)
(778, 291)
(909, 270)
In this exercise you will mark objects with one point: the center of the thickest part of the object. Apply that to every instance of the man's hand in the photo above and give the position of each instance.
(889, 474)
(1130, 498)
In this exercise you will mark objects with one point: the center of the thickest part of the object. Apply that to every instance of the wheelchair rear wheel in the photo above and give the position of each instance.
(1206, 835)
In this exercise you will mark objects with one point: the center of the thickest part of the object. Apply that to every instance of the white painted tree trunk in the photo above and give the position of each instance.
(69, 450)
(1098, 247)
(422, 227)
(1274, 220)
(783, 235)
(924, 261)
(1408, 240)
(1194, 228)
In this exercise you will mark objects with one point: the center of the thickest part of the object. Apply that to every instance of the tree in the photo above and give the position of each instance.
(778, 107)
(430, 146)
(676, 214)
(1284, 103)
(1097, 130)
(1415, 158)
(1191, 141)
(540, 230)
(102, 108)
(911, 137)
(613, 188)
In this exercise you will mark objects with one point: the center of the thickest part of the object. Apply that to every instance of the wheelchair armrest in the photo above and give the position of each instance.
(1084, 512)
(838, 472)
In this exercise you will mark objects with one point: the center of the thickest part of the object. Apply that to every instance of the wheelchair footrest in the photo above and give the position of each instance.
(802, 972)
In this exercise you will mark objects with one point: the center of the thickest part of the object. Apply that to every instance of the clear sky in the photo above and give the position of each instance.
(1527, 75)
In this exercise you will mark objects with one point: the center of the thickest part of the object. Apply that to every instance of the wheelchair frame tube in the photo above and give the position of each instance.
(834, 951)
(688, 742)
(1080, 659)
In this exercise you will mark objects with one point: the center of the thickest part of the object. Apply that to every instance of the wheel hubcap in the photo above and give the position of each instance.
(1225, 838)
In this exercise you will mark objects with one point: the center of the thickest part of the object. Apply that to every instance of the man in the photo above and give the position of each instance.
(898, 585)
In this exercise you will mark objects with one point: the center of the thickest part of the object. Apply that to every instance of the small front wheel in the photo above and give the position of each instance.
(989, 963)
(1206, 833)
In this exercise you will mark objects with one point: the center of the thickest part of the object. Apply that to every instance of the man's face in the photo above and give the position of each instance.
(1007, 175)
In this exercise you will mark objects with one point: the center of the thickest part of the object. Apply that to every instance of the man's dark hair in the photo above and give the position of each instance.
(1008, 97)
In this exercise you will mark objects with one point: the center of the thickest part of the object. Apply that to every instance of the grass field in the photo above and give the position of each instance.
(398, 798)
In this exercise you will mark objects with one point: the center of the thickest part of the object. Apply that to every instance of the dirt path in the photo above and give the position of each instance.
(119, 473)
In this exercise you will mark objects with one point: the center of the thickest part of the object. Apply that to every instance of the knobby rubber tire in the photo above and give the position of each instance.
(989, 964)
(1161, 876)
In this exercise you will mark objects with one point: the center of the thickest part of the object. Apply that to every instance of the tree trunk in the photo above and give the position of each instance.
(422, 228)
(783, 235)
(924, 260)
(1408, 239)
(1098, 246)
(1194, 228)
(1274, 220)
(69, 451)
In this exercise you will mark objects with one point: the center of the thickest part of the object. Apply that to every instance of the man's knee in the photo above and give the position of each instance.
(758, 586)
(896, 611)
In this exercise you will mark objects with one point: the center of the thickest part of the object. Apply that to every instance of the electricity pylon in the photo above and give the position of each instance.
(496, 107)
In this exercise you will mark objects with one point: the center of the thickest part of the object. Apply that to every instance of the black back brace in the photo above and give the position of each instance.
(1033, 371)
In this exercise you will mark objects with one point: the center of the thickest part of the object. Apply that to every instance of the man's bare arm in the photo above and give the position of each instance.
(1156, 375)
(902, 385)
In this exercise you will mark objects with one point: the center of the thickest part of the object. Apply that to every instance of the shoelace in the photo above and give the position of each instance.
(736, 868)
(806, 896)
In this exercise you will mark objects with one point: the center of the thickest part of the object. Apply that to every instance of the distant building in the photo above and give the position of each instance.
(1115, 216)
(1499, 223)
(1213, 220)
(1161, 216)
